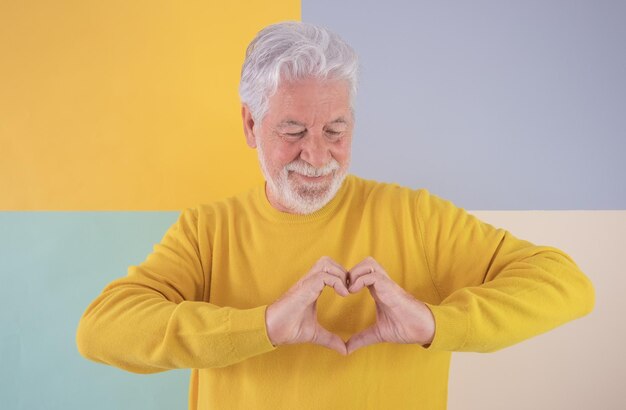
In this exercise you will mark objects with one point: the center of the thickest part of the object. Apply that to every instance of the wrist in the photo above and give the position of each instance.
(423, 322)
(428, 326)
(270, 325)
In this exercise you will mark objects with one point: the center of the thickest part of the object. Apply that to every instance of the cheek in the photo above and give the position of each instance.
(342, 152)
(283, 155)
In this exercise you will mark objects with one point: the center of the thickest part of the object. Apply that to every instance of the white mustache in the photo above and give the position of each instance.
(306, 169)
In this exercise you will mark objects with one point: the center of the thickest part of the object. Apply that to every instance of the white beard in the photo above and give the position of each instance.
(303, 197)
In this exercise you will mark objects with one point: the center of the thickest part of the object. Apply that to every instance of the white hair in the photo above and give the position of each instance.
(291, 51)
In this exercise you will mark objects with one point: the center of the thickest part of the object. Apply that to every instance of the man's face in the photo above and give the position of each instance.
(304, 143)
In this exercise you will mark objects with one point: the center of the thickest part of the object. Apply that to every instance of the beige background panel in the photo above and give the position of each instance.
(125, 105)
(580, 365)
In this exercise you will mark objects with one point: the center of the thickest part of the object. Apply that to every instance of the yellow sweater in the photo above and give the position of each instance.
(198, 301)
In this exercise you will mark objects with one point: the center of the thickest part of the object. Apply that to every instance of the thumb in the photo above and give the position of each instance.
(364, 338)
(330, 340)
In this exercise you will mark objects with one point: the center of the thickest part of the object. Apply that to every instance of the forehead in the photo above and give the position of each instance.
(310, 100)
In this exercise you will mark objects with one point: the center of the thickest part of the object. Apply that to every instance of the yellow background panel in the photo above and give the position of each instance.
(117, 105)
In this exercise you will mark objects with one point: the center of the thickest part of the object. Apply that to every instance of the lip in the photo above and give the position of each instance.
(311, 179)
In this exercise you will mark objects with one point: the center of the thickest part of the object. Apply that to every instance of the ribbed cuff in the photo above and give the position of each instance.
(451, 327)
(248, 332)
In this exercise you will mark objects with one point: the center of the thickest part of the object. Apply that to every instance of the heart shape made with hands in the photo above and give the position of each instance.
(400, 318)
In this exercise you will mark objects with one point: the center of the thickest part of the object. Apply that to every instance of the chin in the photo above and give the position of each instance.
(306, 198)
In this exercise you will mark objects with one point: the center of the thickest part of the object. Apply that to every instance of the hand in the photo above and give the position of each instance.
(400, 318)
(293, 317)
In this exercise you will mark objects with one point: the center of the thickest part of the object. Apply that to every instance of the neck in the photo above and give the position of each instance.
(273, 200)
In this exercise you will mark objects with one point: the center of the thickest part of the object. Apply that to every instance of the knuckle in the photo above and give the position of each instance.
(298, 287)
(318, 267)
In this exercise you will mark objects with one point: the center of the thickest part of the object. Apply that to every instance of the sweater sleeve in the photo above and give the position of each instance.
(495, 289)
(156, 318)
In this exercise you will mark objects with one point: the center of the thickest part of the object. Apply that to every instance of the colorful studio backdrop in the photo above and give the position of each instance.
(116, 115)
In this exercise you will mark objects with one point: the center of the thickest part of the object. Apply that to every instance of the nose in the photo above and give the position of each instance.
(315, 150)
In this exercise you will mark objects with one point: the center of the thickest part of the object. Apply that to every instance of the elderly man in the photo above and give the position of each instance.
(262, 294)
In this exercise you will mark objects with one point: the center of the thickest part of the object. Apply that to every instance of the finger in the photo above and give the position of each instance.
(315, 284)
(328, 265)
(367, 337)
(330, 340)
(336, 283)
(334, 270)
(367, 265)
(360, 270)
(327, 260)
(368, 279)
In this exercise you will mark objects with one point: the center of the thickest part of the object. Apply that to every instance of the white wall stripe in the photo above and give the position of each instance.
(580, 365)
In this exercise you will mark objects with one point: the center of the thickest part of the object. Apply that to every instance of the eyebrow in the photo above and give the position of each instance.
(287, 123)
(339, 120)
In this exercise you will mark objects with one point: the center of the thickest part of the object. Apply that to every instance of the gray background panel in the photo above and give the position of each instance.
(493, 105)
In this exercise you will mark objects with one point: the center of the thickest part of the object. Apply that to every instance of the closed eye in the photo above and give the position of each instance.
(333, 135)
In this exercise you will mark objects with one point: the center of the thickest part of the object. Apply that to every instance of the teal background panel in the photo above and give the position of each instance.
(52, 265)
(494, 105)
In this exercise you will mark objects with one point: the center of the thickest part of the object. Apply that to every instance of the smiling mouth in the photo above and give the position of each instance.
(311, 178)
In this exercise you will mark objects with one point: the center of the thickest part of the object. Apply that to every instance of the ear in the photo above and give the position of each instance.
(248, 126)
